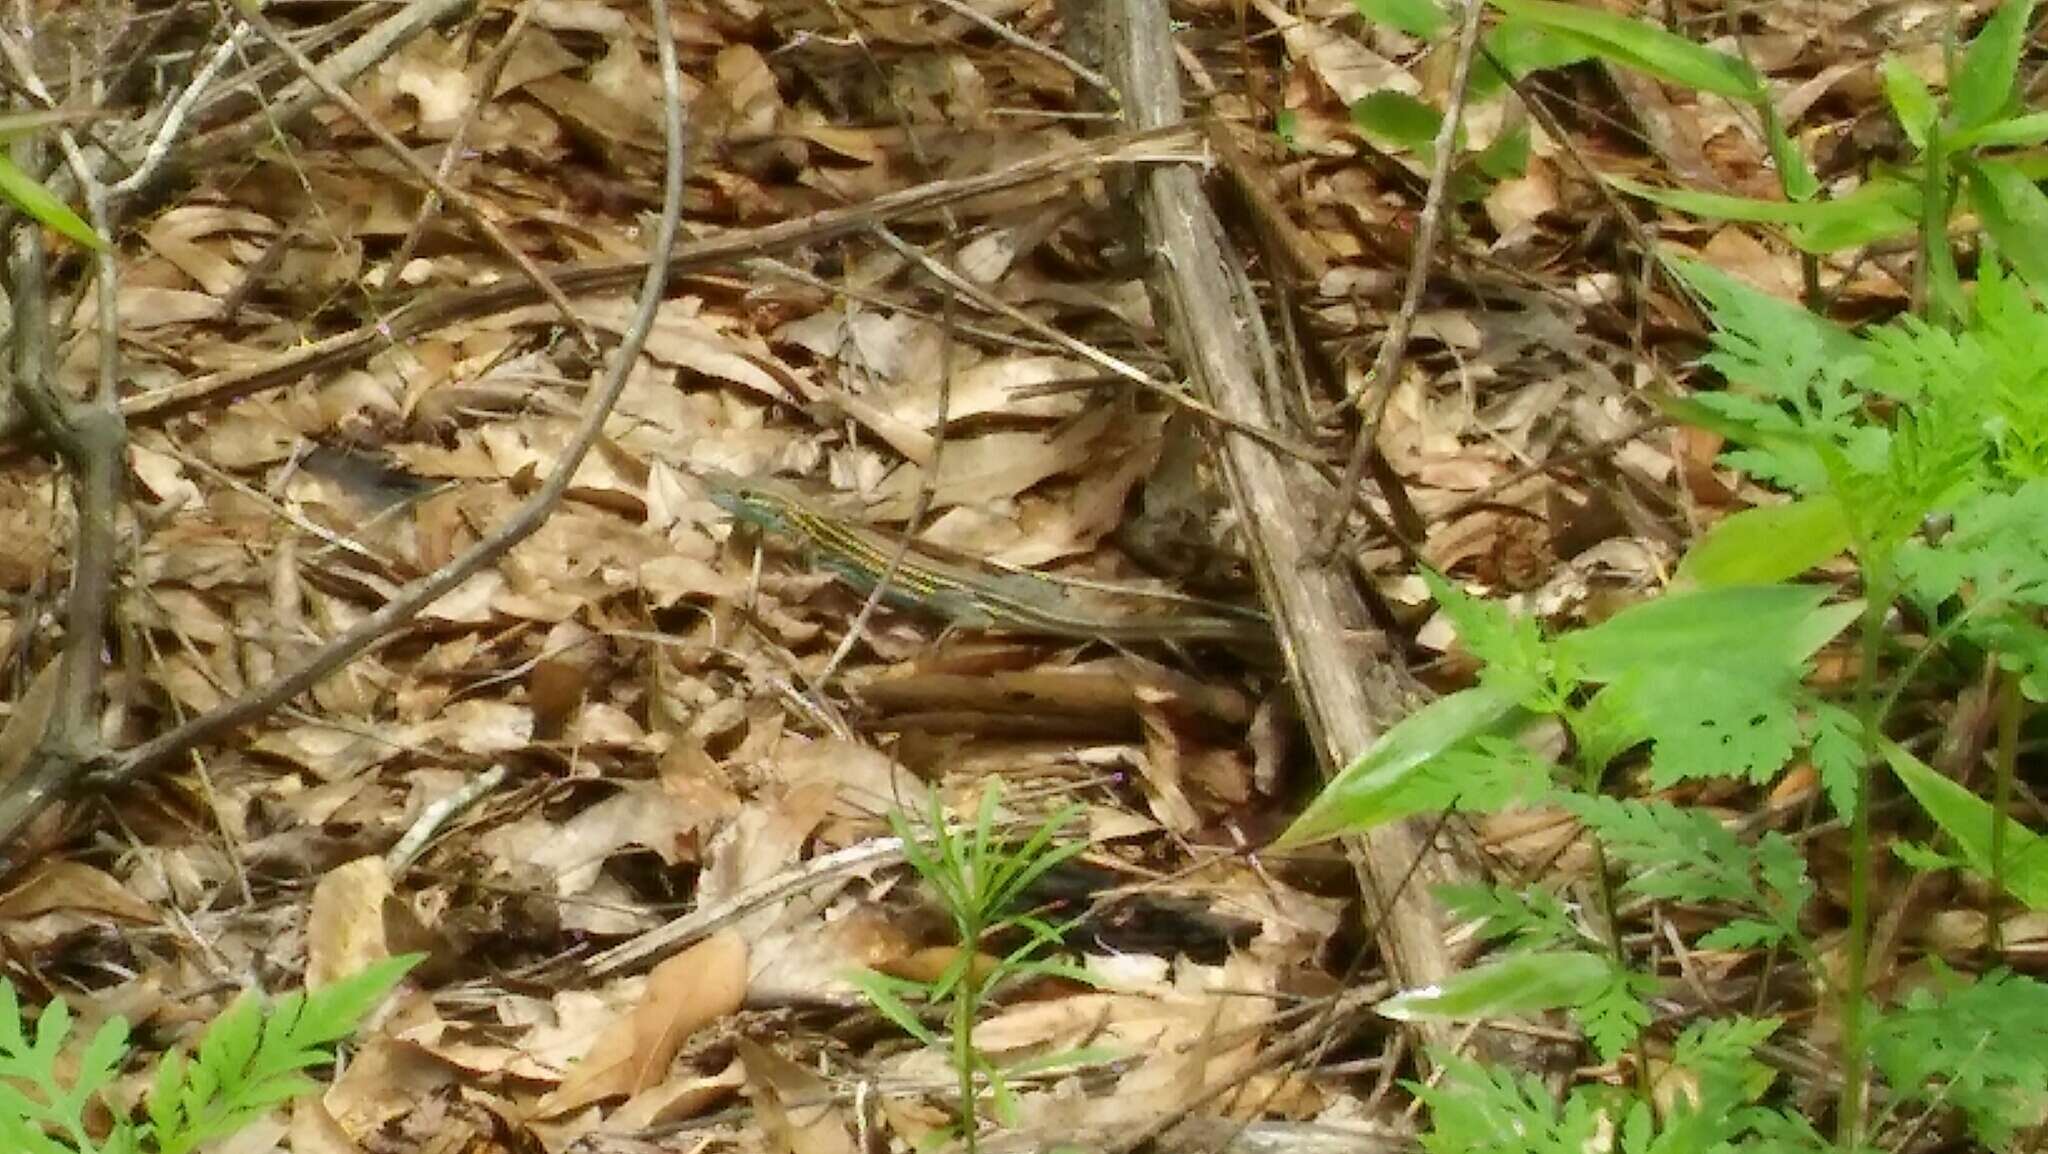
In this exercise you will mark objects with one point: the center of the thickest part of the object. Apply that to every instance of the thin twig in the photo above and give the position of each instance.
(487, 83)
(699, 923)
(172, 119)
(437, 815)
(464, 205)
(1008, 35)
(381, 625)
(1379, 387)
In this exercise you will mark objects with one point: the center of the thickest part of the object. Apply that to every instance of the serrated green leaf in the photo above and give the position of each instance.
(12, 1043)
(166, 1111)
(1911, 102)
(2014, 211)
(51, 1029)
(1767, 544)
(1510, 987)
(1983, 86)
(1356, 800)
(333, 1011)
(1741, 934)
(1967, 819)
(1397, 118)
(1415, 17)
(1643, 47)
(25, 193)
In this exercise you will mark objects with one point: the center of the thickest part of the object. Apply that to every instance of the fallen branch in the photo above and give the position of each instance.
(1348, 694)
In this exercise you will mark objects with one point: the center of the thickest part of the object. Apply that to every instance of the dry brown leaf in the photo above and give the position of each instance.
(314, 1130)
(572, 853)
(345, 926)
(677, 1099)
(1350, 69)
(797, 1107)
(25, 723)
(74, 888)
(683, 995)
(387, 1079)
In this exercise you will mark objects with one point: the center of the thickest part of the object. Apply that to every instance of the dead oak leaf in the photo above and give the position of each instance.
(683, 995)
(796, 1106)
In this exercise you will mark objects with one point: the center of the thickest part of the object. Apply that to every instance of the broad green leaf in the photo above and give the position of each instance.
(32, 198)
(1967, 819)
(1507, 158)
(1521, 47)
(1359, 797)
(1767, 544)
(1703, 626)
(1984, 84)
(1879, 210)
(2014, 212)
(1415, 17)
(1516, 985)
(1911, 102)
(2016, 132)
(1643, 47)
(1397, 118)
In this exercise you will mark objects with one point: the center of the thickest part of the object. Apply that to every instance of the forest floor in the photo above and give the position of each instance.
(629, 786)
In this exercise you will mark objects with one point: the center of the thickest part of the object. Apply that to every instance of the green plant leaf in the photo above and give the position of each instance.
(1512, 49)
(1359, 797)
(1983, 86)
(32, 198)
(1795, 175)
(1967, 819)
(2014, 211)
(1397, 118)
(886, 994)
(1415, 17)
(2016, 132)
(1692, 627)
(1519, 984)
(1768, 543)
(1643, 47)
(1879, 210)
(333, 1011)
(1911, 102)
(1507, 157)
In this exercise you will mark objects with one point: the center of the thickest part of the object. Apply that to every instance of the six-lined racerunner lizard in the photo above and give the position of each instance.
(962, 594)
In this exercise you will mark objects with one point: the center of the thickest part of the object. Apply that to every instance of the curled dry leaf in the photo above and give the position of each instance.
(797, 1106)
(683, 995)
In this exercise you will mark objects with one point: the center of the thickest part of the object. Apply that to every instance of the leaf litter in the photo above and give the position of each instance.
(643, 672)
